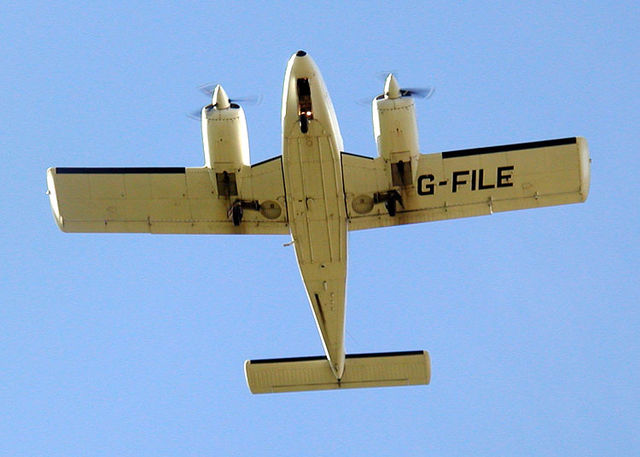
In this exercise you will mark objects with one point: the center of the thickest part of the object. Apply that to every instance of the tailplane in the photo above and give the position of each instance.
(360, 370)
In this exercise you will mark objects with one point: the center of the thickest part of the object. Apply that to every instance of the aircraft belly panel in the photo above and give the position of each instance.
(319, 230)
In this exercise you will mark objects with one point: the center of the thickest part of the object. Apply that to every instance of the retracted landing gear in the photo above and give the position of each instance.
(236, 211)
(390, 199)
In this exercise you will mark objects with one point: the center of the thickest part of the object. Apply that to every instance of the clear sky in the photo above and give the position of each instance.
(133, 345)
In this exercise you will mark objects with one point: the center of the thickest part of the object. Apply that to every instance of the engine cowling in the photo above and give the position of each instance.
(396, 132)
(224, 134)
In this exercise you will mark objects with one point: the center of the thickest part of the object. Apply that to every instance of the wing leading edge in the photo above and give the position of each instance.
(468, 182)
(168, 200)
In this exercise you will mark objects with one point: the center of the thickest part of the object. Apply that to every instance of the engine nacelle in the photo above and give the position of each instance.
(224, 134)
(396, 132)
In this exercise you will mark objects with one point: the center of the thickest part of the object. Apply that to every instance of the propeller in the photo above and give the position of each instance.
(418, 92)
(209, 89)
(220, 100)
(393, 90)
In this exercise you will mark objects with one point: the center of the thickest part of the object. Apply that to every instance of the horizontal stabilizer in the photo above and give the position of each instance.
(360, 370)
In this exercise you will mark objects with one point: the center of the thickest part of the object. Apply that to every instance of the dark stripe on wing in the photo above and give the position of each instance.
(120, 171)
(508, 147)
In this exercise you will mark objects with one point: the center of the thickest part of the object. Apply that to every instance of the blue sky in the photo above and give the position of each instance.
(133, 345)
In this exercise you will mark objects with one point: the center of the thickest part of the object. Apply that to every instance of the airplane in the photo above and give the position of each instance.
(317, 193)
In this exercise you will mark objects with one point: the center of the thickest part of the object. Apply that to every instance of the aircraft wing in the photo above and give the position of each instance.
(468, 182)
(168, 200)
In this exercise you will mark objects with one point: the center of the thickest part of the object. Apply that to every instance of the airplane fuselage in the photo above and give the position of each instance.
(311, 145)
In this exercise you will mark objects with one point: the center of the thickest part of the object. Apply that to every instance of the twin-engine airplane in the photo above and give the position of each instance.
(317, 193)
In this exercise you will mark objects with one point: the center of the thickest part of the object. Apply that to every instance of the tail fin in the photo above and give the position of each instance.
(360, 370)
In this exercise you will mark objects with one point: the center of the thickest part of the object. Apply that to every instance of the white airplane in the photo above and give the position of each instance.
(317, 193)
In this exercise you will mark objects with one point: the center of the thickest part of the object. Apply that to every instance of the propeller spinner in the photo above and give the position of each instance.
(220, 100)
(393, 90)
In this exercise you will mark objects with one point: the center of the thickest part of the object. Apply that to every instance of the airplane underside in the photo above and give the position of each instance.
(317, 193)
(315, 202)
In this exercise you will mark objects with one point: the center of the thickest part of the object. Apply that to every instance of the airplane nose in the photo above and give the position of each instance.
(302, 65)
